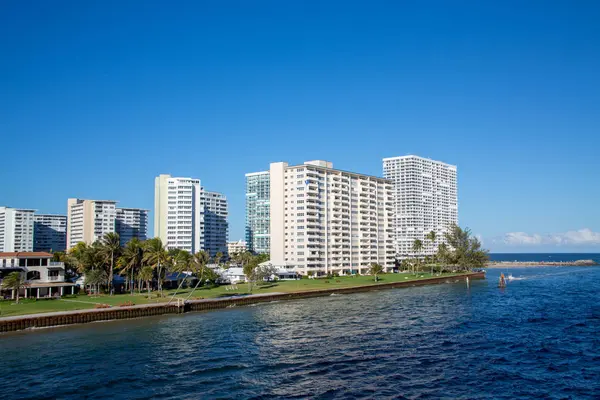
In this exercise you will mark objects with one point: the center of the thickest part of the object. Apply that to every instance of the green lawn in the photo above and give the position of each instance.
(81, 302)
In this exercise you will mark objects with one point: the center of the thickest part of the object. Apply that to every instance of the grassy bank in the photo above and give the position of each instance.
(81, 302)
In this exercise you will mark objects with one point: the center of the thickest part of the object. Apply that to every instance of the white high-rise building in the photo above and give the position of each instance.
(177, 212)
(49, 232)
(89, 220)
(324, 220)
(213, 222)
(16, 229)
(131, 223)
(425, 200)
(257, 211)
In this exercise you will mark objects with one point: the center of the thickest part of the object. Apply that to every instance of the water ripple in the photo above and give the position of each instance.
(535, 339)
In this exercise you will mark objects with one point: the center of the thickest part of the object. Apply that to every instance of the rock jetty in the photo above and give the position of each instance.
(517, 264)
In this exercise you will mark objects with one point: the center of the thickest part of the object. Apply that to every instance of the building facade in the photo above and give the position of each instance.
(49, 233)
(324, 220)
(131, 223)
(177, 212)
(425, 200)
(258, 211)
(16, 229)
(89, 220)
(236, 247)
(214, 228)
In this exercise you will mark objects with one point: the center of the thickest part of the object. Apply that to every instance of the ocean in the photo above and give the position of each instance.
(537, 338)
(544, 256)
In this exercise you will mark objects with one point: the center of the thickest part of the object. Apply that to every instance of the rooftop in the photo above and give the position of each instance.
(25, 254)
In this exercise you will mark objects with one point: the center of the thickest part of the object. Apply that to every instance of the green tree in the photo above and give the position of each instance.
(156, 256)
(375, 270)
(218, 257)
(131, 260)
(417, 248)
(146, 274)
(111, 248)
(94, 278)
(199, 266)
(14, 281)
(432, 237)
(465, 251)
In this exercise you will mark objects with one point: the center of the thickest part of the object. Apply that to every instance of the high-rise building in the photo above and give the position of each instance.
(324, 220)
(257, 211)
(16, 229)
(236, 247)
(89, 220)
(425, 200)
(177, 212)
(49, 233)
(213, 222)
(131, 223)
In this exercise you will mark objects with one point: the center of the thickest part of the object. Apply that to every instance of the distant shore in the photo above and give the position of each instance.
(521, 264)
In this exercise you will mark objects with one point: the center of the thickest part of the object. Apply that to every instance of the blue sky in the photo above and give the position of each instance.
(97, 98)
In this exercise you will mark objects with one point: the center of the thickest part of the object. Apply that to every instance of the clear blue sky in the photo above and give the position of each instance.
(99, 97)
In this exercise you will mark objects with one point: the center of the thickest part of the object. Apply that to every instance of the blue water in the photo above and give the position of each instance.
(544, 256)
(538, 338)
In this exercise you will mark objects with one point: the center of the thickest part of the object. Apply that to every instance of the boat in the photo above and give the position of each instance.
(502, 281)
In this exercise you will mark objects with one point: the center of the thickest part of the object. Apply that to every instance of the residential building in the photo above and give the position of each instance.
(131, 223)
(236, 247)
(257, 212)
(425, 200)
(213, 222)
(16, 229)
(44, 277)
(89, 220)
(177, 212)
(49, 233)
(324, 220)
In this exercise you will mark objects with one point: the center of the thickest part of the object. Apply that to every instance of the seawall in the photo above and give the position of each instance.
(21, 322)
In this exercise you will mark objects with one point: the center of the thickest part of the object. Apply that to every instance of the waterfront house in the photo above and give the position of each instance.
(44, 277)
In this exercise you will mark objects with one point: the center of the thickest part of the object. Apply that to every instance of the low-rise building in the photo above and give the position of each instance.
(43, 277)
(236, 247)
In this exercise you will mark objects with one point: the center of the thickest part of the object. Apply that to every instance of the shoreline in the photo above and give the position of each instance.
(63, 318)
(539, 264)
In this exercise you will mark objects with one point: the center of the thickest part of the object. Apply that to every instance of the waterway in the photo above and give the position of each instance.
(538, 338)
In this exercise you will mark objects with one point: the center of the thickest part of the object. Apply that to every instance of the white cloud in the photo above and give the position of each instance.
(581, 237)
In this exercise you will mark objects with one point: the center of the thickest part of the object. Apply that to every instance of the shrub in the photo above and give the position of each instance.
(102, 306)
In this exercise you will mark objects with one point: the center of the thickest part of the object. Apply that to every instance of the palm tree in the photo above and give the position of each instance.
(95, 277)
(111, 244)
(417, 247)
(146, 275)
(199, 263)
(15, 282)
(375, 270)
(218, 257)
(157, 257)
(182, 262)
(131, 260)
(432, 236)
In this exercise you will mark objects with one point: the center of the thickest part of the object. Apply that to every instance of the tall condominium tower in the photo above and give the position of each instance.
(257, 211)
(89, 220)
(177, 212)
(16, 229)
(324, 220)
(49, 232)
(213, 222)
(131, 223)
(425, 200)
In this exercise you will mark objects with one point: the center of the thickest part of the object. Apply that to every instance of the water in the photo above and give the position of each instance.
(527, 257)
(538, 338)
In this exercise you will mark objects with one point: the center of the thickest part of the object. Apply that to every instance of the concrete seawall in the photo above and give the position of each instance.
(9, 324)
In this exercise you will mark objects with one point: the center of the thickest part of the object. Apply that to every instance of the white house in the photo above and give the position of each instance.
(44, 277)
